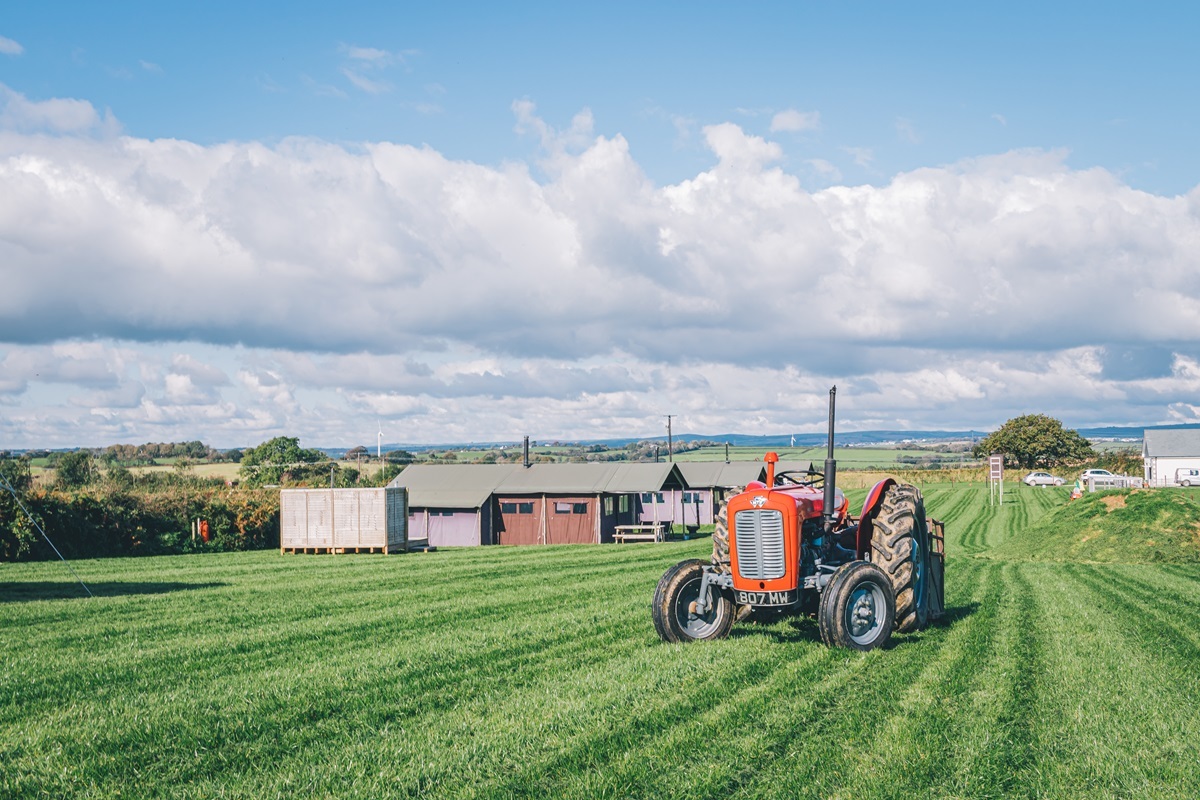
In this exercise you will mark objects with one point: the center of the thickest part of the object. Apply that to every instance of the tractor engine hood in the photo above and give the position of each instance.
(764, 532)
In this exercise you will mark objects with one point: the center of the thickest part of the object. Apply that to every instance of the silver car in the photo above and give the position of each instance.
(1042, 479)
(1101, 477)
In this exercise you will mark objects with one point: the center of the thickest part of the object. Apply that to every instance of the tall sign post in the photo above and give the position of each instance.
(995, 478)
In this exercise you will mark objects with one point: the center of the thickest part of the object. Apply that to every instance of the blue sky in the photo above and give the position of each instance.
(466, 221)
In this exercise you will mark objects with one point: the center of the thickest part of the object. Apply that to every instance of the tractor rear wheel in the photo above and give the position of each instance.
(900, 546)
(674, 606)
(720, 540)
(857, 607)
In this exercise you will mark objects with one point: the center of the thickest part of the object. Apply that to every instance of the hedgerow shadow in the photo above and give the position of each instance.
(784, 629)
(24, 591)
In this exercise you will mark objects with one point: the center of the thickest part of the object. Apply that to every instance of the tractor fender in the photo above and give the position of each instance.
(866, 522)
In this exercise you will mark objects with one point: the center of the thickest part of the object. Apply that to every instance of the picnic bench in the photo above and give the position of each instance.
(645, 532)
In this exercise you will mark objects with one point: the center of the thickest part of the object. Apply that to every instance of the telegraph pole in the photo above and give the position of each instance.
(670, 443)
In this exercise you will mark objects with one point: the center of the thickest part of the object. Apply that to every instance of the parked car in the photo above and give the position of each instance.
(1042, 479)
(1101, 477)
(1187, 477)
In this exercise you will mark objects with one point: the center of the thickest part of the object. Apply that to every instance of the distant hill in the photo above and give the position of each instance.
(843, 439)
(1128, 433)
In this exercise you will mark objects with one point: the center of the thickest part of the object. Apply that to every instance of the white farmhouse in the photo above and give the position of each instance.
(1170, 456)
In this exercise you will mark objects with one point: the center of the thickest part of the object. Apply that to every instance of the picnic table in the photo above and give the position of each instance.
(645, 532)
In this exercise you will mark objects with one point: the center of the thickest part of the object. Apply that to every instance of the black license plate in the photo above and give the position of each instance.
(765, 598)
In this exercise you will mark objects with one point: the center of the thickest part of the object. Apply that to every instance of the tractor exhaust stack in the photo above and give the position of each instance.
(830, 471)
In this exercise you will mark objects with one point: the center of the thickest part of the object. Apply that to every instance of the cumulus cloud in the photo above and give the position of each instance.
(10, 48)
(57, 115)
(794, 121)
(311, 286)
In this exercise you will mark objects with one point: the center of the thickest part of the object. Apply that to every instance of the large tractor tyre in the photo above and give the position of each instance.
(720, 540)
(720, 556)
(900, 546)
(674, 607)
(857, 608)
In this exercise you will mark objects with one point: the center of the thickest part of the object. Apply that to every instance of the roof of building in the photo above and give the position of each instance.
(719, 474)
(593, 478)
(1168, 442)
(470, 485)
(451, 485)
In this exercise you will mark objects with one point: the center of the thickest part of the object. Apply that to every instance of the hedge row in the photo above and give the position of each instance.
(106, 521)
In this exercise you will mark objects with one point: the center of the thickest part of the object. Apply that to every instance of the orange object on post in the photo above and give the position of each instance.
(204, 531)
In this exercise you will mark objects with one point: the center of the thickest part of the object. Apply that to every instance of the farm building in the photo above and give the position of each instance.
(1167, 451)
(473, 504)
(450, 505)
(708, 483)
(575, 503)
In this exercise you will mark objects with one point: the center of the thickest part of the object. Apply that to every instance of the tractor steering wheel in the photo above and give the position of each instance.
(789, 478)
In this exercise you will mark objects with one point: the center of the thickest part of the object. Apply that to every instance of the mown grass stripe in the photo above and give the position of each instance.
(1113, 722)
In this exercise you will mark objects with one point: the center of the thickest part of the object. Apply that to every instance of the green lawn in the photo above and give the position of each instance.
(535, 672)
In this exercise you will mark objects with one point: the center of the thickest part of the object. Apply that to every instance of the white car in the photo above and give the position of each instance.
(1101, 477)
(1187, 477)
(1042, 479)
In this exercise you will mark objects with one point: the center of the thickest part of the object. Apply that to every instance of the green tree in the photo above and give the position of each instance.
(17, 534)
(75, 469)
(280, 459)
(399, 457)
(1036, 440)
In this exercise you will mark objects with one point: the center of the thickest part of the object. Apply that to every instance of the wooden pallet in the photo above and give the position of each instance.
(340, 550)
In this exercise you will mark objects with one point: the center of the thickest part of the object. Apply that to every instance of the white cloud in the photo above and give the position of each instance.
(464, 301)
(57, 115)
(863, 156)
(794, 121)
(907, 131)
(366, 84)
(10, 48)
(371, 55)
(1000, 118)
(365, 62)
(150, 66)
(825, 169)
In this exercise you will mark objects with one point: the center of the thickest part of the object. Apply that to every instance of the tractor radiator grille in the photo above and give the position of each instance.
(758, 537)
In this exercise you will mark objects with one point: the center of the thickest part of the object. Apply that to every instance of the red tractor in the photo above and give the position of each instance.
(790, 544)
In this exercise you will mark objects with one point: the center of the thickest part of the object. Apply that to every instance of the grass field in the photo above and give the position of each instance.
(535, 672)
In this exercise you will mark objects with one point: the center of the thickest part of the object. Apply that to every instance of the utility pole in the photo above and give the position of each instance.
(670, 443)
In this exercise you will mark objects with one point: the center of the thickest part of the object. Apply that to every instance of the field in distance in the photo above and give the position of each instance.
(535, 672)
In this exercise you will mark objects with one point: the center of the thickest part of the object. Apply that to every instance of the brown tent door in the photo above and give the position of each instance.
(571, 520)
(520, 519)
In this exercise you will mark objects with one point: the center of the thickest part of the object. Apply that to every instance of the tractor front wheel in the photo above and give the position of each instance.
(674, 608)
(857, 607)
(900, 545)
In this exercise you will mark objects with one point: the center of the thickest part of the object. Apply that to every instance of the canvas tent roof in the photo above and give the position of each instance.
(451, 485)
(1171, 442)
(470, 485)
(714, 474)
